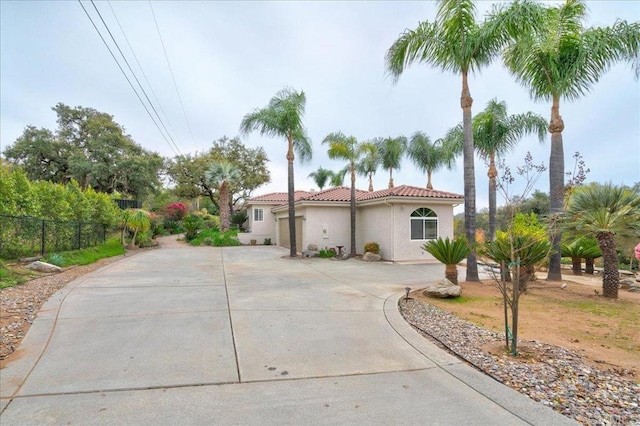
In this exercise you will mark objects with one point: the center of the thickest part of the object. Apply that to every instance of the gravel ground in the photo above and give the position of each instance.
(552, 375)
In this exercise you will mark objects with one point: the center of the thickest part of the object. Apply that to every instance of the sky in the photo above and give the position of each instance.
(229, 58)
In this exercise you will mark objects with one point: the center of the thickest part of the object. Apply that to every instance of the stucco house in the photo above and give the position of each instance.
(399, 219)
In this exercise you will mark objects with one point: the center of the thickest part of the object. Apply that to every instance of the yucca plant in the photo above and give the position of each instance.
(449, 252)
(578, 249)
(138, 221)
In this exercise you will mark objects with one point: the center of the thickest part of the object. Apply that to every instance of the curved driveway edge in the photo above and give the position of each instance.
(243, 335)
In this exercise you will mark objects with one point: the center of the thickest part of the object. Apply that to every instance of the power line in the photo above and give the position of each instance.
(175, 85)
(126, 77)
(155, 96)
(134, 75)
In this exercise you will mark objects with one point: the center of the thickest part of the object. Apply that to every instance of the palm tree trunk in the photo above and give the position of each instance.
(290, 199)
(556, 188)
(610, 277)
(469, 180)
(492, 173)
(370, 182)
(391, 177)
(429, 185)
(451, 273)
(588, 265)
(225, 221)
(353, 210)
(576, 265)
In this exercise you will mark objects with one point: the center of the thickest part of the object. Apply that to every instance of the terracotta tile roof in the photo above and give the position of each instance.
(342, 193)
(280, 197)
(408, 191)
(339, 193)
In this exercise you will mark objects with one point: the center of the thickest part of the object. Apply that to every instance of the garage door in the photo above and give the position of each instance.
(283, 225)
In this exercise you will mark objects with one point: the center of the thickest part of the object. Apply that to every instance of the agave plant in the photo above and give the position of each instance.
(578, 249)
(449, 252)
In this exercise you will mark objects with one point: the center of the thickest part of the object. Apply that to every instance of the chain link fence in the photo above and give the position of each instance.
(26, 236)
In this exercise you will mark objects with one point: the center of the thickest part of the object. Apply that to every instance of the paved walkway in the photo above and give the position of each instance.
(242, 335)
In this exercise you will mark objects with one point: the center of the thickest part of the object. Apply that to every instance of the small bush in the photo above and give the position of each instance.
(55, 259)
(175, 211)
(172, 227)
(267, 241)
(216, 238)
(327, 253)
(238, 219)
(191, 225)
(144, 239)
(372, 247)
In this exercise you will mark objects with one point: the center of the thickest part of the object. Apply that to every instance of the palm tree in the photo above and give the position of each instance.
(346, 148)
(429, 156)
(605, 212)
(321, 177)
(557, 60)
(494, 134)
(221, 175)
(579, 248)
(454, 42)
(391, 151)
(337, 178)
(449, 252)
(138, 221)
(370, 161)
(283, 118)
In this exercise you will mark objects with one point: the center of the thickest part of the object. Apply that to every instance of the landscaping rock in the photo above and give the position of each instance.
(346, 256)
(309, 253)
(626, 283)
(443, 290)
(312, 247)
(371, 257)
(43, 267)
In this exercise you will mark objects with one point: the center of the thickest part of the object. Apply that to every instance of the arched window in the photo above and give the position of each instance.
(424, 224)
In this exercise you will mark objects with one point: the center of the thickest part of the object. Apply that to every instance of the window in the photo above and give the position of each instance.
(258, 215)
(424, 224)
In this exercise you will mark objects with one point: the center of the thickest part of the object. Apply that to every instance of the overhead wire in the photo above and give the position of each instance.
(175, 85)
(144, 92)
(144, 75)
(174, 149)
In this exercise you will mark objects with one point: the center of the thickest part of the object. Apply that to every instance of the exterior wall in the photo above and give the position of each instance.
(260, 230)
(404, 247)
(335, 220)
(279, 222)
(374, 224)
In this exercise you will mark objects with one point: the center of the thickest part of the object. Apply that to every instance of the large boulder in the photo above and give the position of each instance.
(443, 289)
(43, 267)
(309, 253)
(371, 257)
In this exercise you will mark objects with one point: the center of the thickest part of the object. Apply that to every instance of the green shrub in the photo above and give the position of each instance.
(145, 239)
(327, 253)
(238, 219)
(112, 247)
(267, 241)
(191, 225)
(55, 259)
(372, 247)
(216, 238)
(172, 227)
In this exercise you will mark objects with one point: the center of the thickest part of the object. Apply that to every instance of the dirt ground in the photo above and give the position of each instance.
(606, 332)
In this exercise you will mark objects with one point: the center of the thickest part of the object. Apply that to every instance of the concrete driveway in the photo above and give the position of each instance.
(242, 335)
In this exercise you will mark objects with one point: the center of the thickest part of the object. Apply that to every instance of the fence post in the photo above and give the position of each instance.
(79, 235)
(42, 239)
